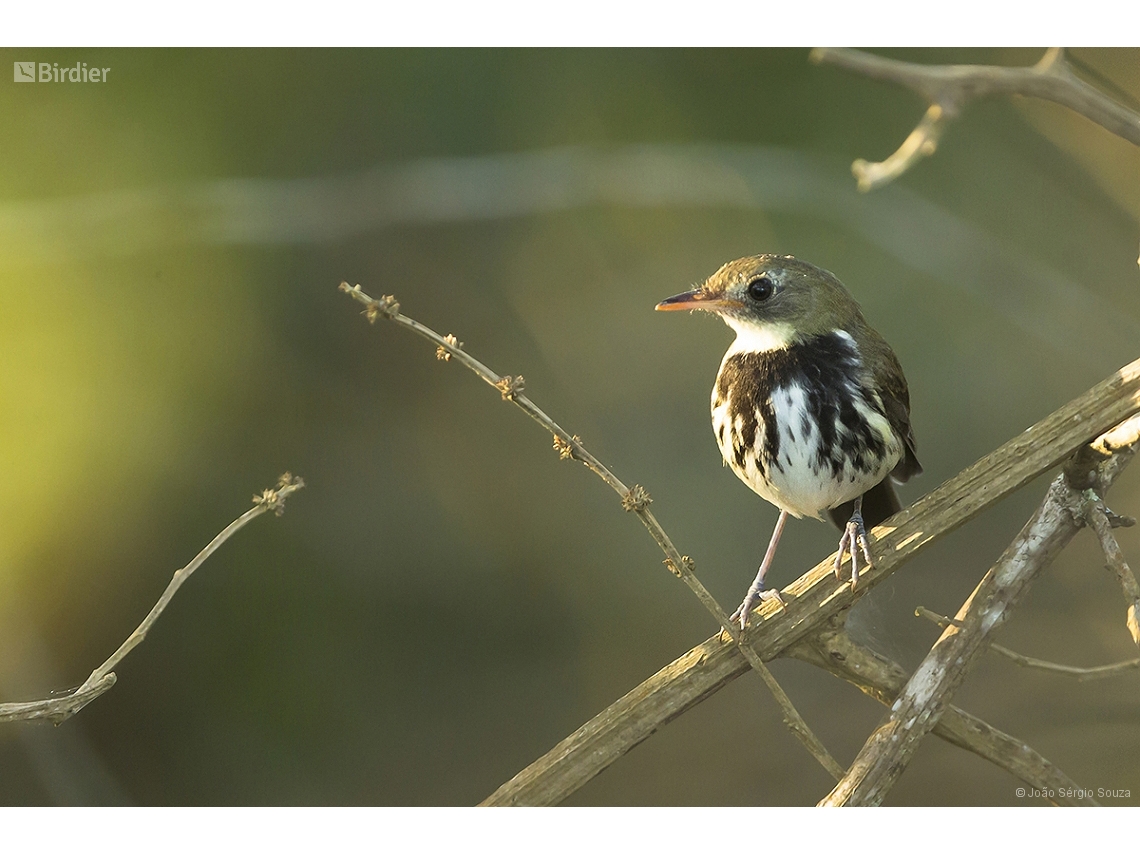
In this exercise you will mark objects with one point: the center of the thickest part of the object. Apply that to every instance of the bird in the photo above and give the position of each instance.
(810, 407)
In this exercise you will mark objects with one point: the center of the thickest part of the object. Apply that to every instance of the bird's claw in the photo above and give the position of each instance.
(854, 539)
(756, 594)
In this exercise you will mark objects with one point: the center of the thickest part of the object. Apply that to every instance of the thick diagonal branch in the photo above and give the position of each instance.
(922, 703)
(815, 597)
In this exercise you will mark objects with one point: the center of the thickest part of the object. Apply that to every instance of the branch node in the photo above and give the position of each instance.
(637, 499)
(565, 448)
(444, 350)
(510, 386)
(689, 566)
(387, 306)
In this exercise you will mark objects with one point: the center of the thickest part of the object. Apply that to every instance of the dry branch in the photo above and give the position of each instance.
(1095, 672)
(1097, 516)
(949, 88)
(634, 499)
(815, 597)
(833, 650)
(921, 704)
(60, 709)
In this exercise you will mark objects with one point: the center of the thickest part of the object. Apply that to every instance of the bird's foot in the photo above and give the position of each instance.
(756, 594)
(854, 539)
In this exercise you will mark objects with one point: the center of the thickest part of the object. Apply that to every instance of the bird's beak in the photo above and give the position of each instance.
(696, 299)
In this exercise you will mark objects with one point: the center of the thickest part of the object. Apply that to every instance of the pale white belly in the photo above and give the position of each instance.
(800, 480)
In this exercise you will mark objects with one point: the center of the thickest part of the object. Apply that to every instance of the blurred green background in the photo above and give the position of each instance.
(446, 599)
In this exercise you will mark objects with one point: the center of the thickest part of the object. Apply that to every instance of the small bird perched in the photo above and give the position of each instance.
(810, 407)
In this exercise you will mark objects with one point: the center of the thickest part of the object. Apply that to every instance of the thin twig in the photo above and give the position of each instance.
(814, 598)
(1097, 516)
(920, 705)
(103, 678)
(949, 88)
(1096, 672)
(1092, 471)
(921, 142)
(633, 499)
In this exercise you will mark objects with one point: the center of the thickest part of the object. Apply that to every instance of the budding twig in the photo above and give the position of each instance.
(102, 678)
(635, 499)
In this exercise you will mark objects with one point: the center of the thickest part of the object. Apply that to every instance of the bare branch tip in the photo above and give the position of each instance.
(510, 386)
(1116, 520)
(862, 170)
(274, 500)
(934, 617)
(387, 306)
(637, 499)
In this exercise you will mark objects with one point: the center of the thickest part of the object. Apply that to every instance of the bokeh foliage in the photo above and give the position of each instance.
(447, 599)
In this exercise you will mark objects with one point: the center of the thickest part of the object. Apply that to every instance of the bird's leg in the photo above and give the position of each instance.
(854, 538)
(756, 592)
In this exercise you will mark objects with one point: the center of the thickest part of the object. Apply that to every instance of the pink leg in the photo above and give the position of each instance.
(756, 592)
(854, 538)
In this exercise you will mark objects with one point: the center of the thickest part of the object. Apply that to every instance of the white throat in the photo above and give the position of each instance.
(762, 338)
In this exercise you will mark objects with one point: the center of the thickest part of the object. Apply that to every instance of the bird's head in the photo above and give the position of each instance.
(772, 301)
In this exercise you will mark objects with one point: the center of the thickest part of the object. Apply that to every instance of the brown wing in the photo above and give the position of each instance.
(896, 406)
(881, 501)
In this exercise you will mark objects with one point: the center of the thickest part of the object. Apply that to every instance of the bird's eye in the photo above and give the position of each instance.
(761, 288)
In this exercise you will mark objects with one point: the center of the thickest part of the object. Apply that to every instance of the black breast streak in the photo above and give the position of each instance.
(827, 368)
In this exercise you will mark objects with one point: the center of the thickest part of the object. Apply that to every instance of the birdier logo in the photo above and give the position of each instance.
(51, 72)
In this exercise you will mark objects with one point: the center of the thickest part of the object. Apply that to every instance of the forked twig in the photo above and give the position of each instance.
(102, 678)
(633, 499)
(949, 88)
